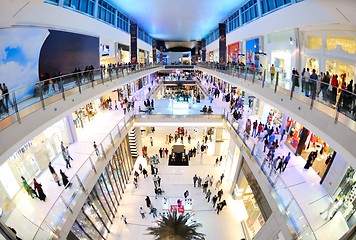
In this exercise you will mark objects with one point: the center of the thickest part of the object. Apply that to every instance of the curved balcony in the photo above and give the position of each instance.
(49, 100)
(334, 122)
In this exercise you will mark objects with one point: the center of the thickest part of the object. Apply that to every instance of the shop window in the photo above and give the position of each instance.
(315, 42)
(347, 43)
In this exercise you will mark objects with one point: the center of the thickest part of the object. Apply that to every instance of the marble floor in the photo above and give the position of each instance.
(30, 213)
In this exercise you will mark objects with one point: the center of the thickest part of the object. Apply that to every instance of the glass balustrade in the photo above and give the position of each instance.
(335, 101)
(62, 208)
(21, 102)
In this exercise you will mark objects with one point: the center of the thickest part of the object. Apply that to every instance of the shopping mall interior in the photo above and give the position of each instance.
(116, 117)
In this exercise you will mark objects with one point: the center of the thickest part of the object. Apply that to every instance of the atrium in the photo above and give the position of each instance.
(237, 116)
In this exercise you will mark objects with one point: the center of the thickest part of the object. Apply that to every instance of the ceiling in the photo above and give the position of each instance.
(177, 20)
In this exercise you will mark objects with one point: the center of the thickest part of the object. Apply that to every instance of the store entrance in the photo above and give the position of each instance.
(257, 208)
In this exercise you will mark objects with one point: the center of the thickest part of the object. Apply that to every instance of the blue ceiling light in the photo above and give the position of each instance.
(174, 20)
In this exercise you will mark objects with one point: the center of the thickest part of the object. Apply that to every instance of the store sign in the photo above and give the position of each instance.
(21, 151)
(180, 209)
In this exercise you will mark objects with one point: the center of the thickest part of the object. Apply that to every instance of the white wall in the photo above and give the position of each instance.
(336, 173)
(38, 13)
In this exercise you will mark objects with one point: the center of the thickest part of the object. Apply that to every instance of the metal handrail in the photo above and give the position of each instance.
(338, 106)
(60, 85)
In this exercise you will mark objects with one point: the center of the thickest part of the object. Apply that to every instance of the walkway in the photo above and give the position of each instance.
(29, 213)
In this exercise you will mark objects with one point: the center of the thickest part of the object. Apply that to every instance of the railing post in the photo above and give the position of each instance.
(246, 70)
(62, 88)
(16, 109)
(336, 116)
(276, 84)
(253, 78)
(264, 78)
(66, 204)
(80, 183)
(41, 96)
(92, 165)
(102, 150)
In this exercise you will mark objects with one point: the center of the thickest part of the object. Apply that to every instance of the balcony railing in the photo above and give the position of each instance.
(62, 208)
(341, 102)
(25, 100)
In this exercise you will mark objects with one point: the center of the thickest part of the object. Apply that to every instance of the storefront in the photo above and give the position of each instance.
(30, 160)
(123, 53)
(282, 63)
(346, 192)
(85, 114)
(257, 208)
(100, 209)
(233, 51)
(303, 142)
(270, 115)
(341, 69)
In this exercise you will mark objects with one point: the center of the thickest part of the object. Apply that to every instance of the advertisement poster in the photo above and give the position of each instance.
(19, 53)
(252, 47)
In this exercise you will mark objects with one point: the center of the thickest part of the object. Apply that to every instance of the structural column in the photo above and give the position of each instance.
(154, 51)
(203, 50)
(133, 44)
(218, 141)
(222, 43)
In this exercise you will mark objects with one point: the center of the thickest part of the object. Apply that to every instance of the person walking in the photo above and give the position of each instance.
(286, 161)
(214, 199)
(195, 179)
(207, 195)
(218, 184)
(68, 155)
(221, 205)
(54, 174)
(199, 181)
(28, 189)
(65, 181)
(148, 202)
(142, 212)
(186, 194)
(159, 181)
(39, 189)
(154, 212)
(155, 179)
(66, 159)
(205, 187)
(151, 141)
(62, 146)
(220, 193)
(272, 71)
(96, 149)
(124, 219)
(222, 177)
(145, 173)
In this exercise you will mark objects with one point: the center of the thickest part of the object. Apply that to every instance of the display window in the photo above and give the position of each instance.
(233, 51)
(282, 62)
(346, 192)
(313, 144)
(312, 63)
(341, 68)
(248, 190)
(85, 114)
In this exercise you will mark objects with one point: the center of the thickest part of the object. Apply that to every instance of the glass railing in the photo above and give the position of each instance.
(25, 100)
(341, 103)
(63, 206)
(285, 199)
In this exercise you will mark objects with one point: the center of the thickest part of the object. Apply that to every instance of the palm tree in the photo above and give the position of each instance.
(173, 227)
